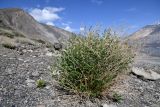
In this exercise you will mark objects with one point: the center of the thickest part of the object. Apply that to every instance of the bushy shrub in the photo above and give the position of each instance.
(90, 63)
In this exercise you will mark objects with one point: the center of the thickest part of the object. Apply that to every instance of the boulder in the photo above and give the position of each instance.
(57, 46)
(149, 74)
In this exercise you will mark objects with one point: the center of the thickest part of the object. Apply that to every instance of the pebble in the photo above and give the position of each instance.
(49, 54)
(30, 83)
(35, 74)
(40, 105)
(9, 71)
(30, 51)
(109, 105)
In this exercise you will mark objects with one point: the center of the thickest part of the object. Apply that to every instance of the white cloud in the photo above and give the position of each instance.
(81, 28)
(67, 23)
(99, 2)
(47, 14)
(50, 23)
(68, 28)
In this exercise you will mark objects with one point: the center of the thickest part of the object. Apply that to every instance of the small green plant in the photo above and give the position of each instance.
(9, 45)
(91, 62)
(41, 83)
(117, 97)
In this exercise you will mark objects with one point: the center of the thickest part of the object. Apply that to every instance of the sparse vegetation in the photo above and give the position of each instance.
(7, 35)
(10, 33)
(90, 63)
(17, 34)
(9, 45)
(12, 43)
(25, 41)
(40, 41)
(117, 97)
(41, 83)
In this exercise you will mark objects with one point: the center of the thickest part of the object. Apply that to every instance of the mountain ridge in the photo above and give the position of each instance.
(20, 21)
(147, 40)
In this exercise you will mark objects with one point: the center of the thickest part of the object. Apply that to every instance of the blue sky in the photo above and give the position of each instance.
(73, 15)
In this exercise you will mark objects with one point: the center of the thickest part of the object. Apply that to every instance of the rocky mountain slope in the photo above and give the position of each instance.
(20, 21)
(147, 40)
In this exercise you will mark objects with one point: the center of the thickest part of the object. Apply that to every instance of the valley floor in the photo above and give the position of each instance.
(21, 68)
(146, 59)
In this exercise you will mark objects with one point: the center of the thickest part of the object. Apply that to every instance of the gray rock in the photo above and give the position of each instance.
(30, 51)
(35, 74)
(30, 83)
(47, 87)
(49, 54)
(9, 71)
(150, 75)
(24, 50)
(57, 46)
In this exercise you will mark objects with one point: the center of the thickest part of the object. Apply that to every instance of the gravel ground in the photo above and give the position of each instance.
(19, 71)
(21, 68)
(137, 91)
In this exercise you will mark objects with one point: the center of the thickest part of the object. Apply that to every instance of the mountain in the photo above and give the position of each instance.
(20, 21)
(147, 40)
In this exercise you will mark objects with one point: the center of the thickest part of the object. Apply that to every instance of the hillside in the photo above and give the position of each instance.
(147, 40)
(20, 21)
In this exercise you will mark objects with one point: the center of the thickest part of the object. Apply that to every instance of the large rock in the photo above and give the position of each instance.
(150, 75)
(57, 46)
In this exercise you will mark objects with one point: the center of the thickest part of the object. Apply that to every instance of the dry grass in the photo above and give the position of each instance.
(11, 43)
(25, 41)
(7, 42)
(10, 33)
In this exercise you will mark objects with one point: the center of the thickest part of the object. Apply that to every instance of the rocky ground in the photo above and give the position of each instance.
(22, 67)
(139, 91)
(19, 71)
